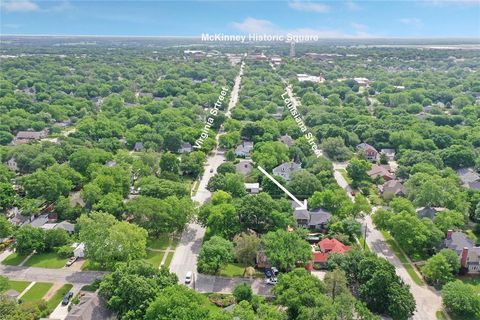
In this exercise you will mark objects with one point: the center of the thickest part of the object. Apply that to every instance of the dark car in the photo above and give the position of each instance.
(66, 298)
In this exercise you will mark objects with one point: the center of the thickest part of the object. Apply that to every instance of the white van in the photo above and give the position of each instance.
(188, 277)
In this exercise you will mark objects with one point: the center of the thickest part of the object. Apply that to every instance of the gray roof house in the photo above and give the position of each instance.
(253, 188)
(369, 151)
(312, 219)
(286, 169)
(468, 253)
(428, 212)
(244, 149)
(286, 139)
(65, 225)
(90, 307)
(390, 153)
(244, 167)
(470, 178)
(185, 148)
(394, 187)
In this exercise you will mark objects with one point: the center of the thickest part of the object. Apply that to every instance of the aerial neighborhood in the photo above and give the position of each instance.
(168, 178)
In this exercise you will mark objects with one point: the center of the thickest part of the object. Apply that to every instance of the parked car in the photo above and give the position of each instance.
(211, 170)
(66, 298)
(188, 277)
(71, 261)
(275, 271)
(271, 281)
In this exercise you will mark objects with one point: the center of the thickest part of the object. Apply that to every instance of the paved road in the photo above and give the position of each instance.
(185, 256)
(63, 275)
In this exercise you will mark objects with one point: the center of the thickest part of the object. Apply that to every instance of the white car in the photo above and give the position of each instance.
(188, 277)
(271, 281)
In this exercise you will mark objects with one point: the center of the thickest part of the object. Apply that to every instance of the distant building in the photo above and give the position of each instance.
(369, 151)
(428, 212)
(287, 140)
(24, 137)
(138, 146)
(382, 171)
(322, 56)
(244, 149)
(468, 253)
(276, 60)
(244, 167)
(185, 148)
(302, 77)
(253, 188)
(286, 169)
(470, 178)
(362, 82)
(292, 49)
(12, 164)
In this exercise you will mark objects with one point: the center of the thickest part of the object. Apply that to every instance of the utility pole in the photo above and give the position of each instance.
(365, 237)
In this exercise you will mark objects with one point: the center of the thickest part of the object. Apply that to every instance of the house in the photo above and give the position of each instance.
(39, 221)
(286, 169)
(370, 152)
(470, 178)
(393, 187)
(24, 137)
(65, 225)
(244, 149)
(381, 171)
(78, 249)
(287, 140)
(185, 148)
(244, 167)
(89, 307)
(12, 164)
(276, 60)
(312, 219)
(428, 212)
(138, 146)
(389, 153)
(302, 77)
(111, 163)
(328, 246)
(253, 188)
(16, 218)
(362, 82)
(468, 253)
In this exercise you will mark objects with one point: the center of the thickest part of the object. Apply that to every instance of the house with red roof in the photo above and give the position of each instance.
(328, 246)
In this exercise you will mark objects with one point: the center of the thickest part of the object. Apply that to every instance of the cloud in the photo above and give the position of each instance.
(252, 25)
(19, 5)
(352, 6)
(414, 22)
(308, 6)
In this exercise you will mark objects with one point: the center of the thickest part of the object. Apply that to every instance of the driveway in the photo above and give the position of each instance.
(207, 283)
(61, 311)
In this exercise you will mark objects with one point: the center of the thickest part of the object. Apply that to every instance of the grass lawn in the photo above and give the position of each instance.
(37, 292)
(58, 296)
(14, 259)
(46, 260)
(403, 259)
(363, 244)
(345, 175)
(236, 270)
(160, 243)
(440, 315)
(92, 266)
(175, 242)
(168, 259)
(154, 257)
(18, 286)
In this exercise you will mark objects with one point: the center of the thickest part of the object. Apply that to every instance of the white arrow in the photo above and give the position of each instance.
(303, 205)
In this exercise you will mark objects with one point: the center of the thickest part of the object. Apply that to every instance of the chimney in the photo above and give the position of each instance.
(449, 234)
(464, 257)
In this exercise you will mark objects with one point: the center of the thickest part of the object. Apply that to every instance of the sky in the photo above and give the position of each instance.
(325, 19)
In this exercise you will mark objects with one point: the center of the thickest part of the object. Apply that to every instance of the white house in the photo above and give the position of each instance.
(79, 250)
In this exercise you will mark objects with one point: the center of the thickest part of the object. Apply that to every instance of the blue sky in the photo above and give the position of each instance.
(329, 19)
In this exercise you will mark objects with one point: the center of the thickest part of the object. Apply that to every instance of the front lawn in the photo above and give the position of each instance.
(18, 286)
(14, 259)
(58, 296)
(154, 257)
(236, 270)
(37, 291)
(90, 265)
(168, 260)
(48, 260)
(403, 259)
(160, 243)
